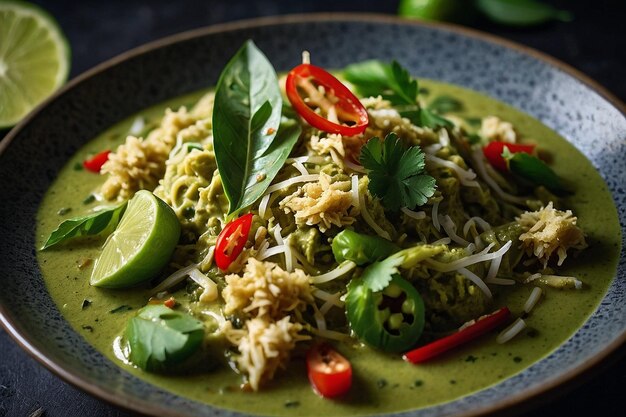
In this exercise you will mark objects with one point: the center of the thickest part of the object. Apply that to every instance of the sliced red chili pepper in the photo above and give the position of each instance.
(493, 153)
(329, 372)
(341, 112)
(231, 241)
(471, 332)
(94, 164)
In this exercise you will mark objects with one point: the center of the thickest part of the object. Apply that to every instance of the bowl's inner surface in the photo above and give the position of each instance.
(93, 105)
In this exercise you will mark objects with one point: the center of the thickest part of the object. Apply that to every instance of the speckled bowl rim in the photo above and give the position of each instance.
(523, 401)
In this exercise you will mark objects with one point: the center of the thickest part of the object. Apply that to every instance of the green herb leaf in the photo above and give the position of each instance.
(250, 147)
(159, 337)
(396, 174)
(445, 104)
(394, 83)
(533, 169)
(100, 223)
(379, 274)
(521, 12)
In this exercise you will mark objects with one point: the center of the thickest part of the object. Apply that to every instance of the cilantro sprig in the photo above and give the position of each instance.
(396, 174)
(394, 83)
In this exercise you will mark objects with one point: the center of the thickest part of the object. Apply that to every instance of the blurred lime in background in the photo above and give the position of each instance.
(504, 12)
(34, 59)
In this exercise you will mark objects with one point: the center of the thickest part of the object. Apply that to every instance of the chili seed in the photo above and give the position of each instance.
(395, 321)
(392, 291)
(408, 306)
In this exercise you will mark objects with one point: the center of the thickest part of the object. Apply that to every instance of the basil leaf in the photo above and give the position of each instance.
(246, 118)
(159, 337)
(102, 222)
(445, 104)
(521, 12)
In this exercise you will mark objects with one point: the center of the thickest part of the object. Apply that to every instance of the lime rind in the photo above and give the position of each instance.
(22, 94)
(140, 246)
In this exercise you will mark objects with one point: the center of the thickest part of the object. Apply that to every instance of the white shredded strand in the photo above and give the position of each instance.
(306, 57)
(304, 263)
(450, 228)
(267, 253)
(476, 280)
(533, 299)
(298, 165)
(301, 159)
(494, 268)
(417, 215)
(335, 298)
(481, 256)
(173, 279)
(260, 254)
(463, 174)
(354, 167)
(289, 261)
(331, 335)
(500, 281)
(432, 149)
(444, 139)
(370, 221)
(292, 181)
(207, 261)
(442, 241)
(511, 331)
(263, 205)
(355, 191)
(477, 156)
(435, 216)
(470, 249)
(484, 225)
(341, 270)
(210, 287)
(320, 320)
(277, 236)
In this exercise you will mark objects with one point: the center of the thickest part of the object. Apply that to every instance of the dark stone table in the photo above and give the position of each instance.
(594, 43)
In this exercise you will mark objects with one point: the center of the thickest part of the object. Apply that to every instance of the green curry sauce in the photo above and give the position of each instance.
(382, 382)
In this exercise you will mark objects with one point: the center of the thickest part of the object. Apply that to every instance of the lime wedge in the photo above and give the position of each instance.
(34, 59)
(140, 246)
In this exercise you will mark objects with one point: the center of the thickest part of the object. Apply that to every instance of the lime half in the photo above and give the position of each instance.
(140, 246)
(34, 59)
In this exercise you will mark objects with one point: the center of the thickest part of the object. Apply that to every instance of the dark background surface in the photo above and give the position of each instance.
(594, 43)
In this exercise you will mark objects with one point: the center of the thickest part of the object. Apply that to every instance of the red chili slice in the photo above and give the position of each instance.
(493, 153)
(94, 164)
(231, 241)
(303, 91)
(471, 332)
(329, 372)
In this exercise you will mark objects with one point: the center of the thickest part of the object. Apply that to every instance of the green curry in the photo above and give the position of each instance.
(382, 382)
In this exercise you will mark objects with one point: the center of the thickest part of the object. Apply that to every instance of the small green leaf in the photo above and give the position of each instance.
(532, 169)
(521, 12)
(159, 337)
(430, 119)
(100, 223)
(445, 104)
(379, 274)
(396, 174)
(249, 143)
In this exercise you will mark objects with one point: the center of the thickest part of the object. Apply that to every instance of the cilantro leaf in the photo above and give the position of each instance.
(396, 174)
(394, 83)
(379, 274)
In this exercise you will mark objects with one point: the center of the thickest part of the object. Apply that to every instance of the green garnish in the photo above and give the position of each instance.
(378, 275)
(521, 12)
(532, 169)
(253, 144)
(394, 83)
(100, 223)
(396, 173)
(159, 337)
(445, 104)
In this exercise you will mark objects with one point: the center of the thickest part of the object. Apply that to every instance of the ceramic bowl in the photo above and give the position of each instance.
(34, 152)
